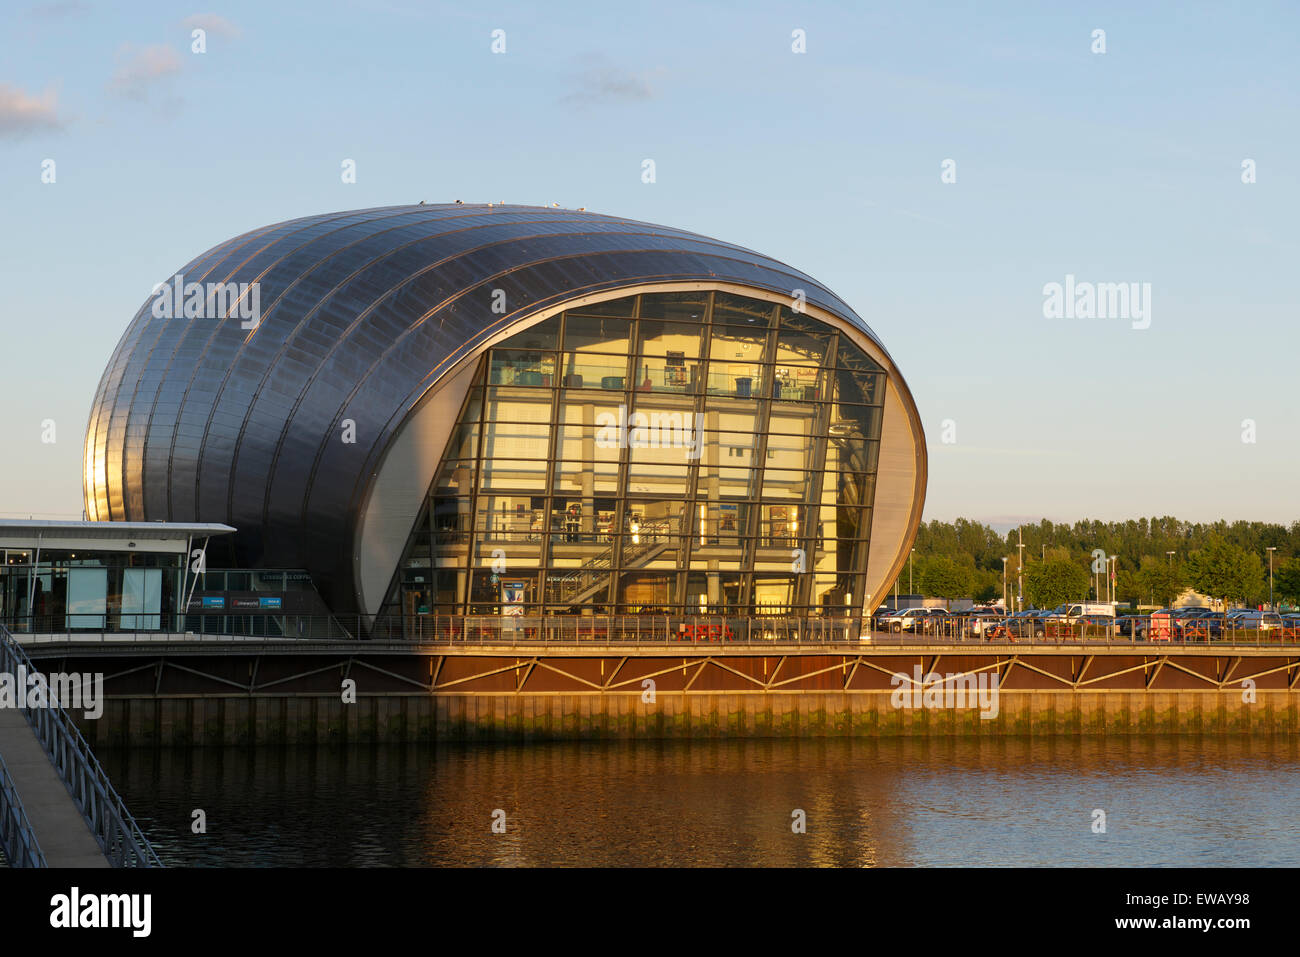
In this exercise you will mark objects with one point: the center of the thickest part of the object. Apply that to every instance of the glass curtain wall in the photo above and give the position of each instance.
(668, 453)
(89, 590)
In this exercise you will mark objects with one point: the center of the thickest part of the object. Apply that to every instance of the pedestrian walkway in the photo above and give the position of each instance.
(62, 832)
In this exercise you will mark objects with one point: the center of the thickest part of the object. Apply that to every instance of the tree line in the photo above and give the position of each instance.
(1157, 559)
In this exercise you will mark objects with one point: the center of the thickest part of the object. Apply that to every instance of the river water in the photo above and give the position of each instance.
(1191, 801)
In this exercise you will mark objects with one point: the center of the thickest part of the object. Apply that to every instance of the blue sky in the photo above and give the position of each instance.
(1117, 167)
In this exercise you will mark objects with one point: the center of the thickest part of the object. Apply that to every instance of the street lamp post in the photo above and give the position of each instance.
(1270, 549)
(1004, 583)
(910, 589)
(1020, 573)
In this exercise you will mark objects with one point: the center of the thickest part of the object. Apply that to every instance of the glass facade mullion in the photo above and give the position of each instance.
(466, 590)
(553, 454)
(812, 514)
(759, 470)
(621, 520)
(693, 473)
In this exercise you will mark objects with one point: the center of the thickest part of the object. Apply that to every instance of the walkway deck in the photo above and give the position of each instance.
(62, 832)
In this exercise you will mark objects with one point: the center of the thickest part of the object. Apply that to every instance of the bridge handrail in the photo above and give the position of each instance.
(17, 839)
(116, 831)
(672, 629)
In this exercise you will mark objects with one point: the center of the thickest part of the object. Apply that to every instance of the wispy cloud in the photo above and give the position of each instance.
(140, 71)
(58, 9)
(600, 81)
(22, 113)
(212, 24)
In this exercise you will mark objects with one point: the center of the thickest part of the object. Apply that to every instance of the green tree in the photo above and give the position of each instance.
(940, 576)
(1286, 581)
(1050, 583)
(1227, 572)
(1138, 544)
(1158, 580)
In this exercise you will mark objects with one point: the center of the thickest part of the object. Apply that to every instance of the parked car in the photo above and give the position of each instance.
(1200, 624)
(1003, 628)
(1133, 626)
(906, 620)
(1232, 620)
(980, 622)
(1264, 622)
(939, 622)
(1025, 624)
(1095, 625)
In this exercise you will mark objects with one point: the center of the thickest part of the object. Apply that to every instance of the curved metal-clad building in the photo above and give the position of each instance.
(463, 408)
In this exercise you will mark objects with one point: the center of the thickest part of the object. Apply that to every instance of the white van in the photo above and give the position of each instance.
(1071, 613)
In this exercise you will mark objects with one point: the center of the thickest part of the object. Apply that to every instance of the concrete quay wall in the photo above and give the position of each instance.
(209, 720)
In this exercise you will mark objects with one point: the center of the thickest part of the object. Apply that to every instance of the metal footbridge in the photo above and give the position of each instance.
(57, 806)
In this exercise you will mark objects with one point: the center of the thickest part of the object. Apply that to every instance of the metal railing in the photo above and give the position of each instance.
(1140, 630)
(17, 839)
(115, 830)
(624, 629)
(532, 627)
(260, 625)
(765, 630)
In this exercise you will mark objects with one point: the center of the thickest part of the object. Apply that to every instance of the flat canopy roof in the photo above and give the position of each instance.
(105, 536)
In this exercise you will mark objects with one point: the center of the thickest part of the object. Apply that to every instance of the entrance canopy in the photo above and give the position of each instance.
(29, 535)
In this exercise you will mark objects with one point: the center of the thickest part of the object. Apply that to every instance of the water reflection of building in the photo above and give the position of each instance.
(549, 410)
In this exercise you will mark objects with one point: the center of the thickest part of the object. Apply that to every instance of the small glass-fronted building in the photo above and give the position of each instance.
(496, 410)
(92, 576)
